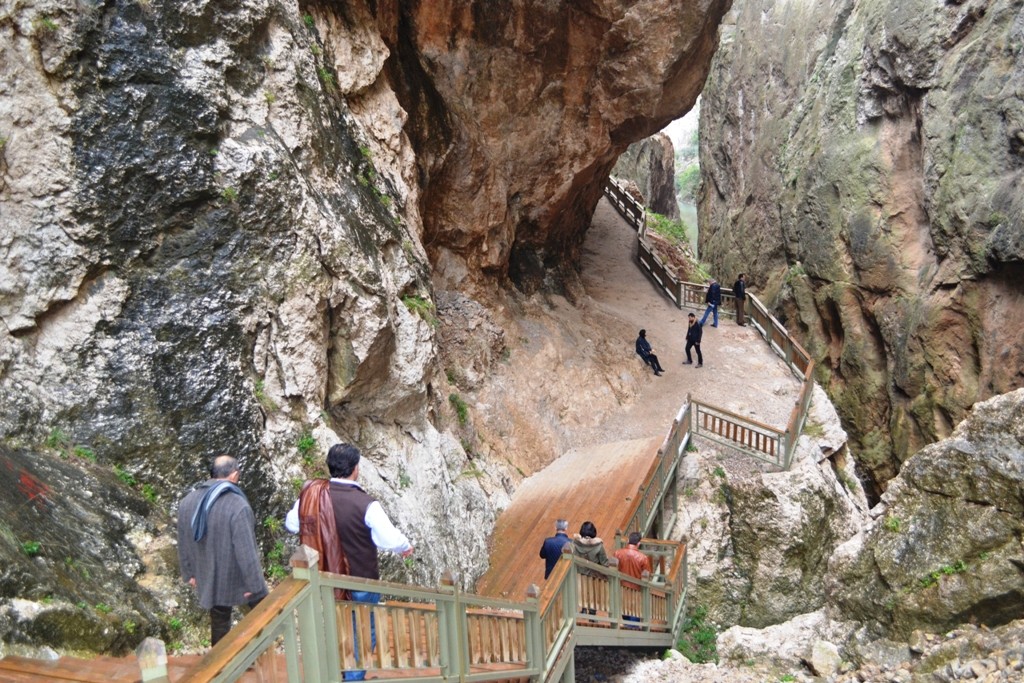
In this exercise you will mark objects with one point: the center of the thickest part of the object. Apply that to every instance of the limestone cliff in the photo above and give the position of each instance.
(946, 545)
(651, 164)
(862, 162)
(223, 224)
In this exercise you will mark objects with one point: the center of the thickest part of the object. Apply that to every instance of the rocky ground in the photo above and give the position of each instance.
(968, 653)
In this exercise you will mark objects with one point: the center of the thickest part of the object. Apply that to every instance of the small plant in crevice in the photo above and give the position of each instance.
(698, 639)
(272, 524)
(306, 445)
(103, 608)
(44, 25)
(691, 447)
(269, 97)
(275, 562)
(958, 567)
(892, 524)
(58, 440)
(720, 472)
(259, 391)
(149, 493)
(471, 470)
(813, 429)
(309, 21)
(421, 306)
(315, 49)
(84, 452)
(229, 194)
(404, 480)
(461, 408)
(327, 78)
(31, 548)
(126, 477)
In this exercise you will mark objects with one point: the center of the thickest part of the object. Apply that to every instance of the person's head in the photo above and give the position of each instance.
(561, 525)
(342, 460)
(712, 281)
(643, 333)
(634, 538)
(691, 318)
(224, 467)
(588, 530)
(742, 276)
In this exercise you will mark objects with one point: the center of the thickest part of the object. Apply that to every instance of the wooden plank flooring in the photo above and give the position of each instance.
(597, 483)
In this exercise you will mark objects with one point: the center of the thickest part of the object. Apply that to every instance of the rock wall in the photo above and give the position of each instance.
(651, 164)
(946, 544)
(223, 225)
(862, 163)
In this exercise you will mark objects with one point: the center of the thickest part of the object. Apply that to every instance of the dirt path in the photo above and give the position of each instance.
(740, 371)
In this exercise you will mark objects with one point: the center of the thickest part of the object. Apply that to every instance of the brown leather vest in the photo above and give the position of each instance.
(350, 503)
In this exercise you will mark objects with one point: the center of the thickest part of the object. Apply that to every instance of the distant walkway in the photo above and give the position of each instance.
(598, 480)
(740, 373)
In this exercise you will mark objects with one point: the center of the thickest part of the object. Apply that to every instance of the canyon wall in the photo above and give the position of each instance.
(862, 163)
(223, 227)
(651, 164)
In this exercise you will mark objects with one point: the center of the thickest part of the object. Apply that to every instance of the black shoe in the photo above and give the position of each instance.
(657, 374)
(700, 365)
(714, 326)
(687, 362)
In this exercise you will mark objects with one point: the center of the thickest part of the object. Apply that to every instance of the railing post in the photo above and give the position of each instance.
(152, 657)
(536, 652)
(448, 630)
(311, 618)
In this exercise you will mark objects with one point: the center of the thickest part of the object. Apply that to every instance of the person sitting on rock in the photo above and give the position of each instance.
(644, 350)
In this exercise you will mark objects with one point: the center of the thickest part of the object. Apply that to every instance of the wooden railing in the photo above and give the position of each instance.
(443, 634)
(751, 437)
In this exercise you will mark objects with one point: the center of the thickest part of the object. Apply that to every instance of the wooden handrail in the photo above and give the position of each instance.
(739, 418)
(270, 608)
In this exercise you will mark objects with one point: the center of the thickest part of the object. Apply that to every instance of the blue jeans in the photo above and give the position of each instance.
(710, 308)
(373, 599)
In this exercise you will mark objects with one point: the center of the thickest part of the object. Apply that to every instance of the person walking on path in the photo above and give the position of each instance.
(587, 545)
(644, 350)
(217, 546)
(551, 551)
(713, 299)
(739, 290)
(693, 334)
(360, 527)
(633, 563)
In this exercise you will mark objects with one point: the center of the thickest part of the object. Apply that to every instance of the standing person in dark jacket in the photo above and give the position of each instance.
(713, 298)
(693, 335)
(739, 290)
(362, 527)
(551, 551)
(644, 350)
(217, 546)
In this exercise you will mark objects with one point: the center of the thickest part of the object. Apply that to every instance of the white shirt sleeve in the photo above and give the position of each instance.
(291, 520)
(385, 535)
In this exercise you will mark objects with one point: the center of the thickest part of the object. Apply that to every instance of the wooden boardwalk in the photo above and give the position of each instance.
(597, 483)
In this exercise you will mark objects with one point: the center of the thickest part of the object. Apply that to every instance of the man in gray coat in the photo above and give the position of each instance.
(217, 546)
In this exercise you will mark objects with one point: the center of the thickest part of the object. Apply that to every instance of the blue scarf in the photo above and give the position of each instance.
(209, 498)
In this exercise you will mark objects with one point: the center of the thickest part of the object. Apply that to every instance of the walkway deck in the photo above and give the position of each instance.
(595, 483)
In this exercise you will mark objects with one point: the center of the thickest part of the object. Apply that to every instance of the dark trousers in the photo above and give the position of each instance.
(220, 620)
(700, 357)
(652, 360)
(739, 312)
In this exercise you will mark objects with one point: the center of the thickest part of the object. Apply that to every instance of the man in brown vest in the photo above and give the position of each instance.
(360, 526)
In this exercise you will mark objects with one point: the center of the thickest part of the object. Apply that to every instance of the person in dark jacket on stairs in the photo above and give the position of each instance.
(551, 551)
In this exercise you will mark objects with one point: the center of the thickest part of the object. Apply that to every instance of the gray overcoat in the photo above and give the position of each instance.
(225, 562)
